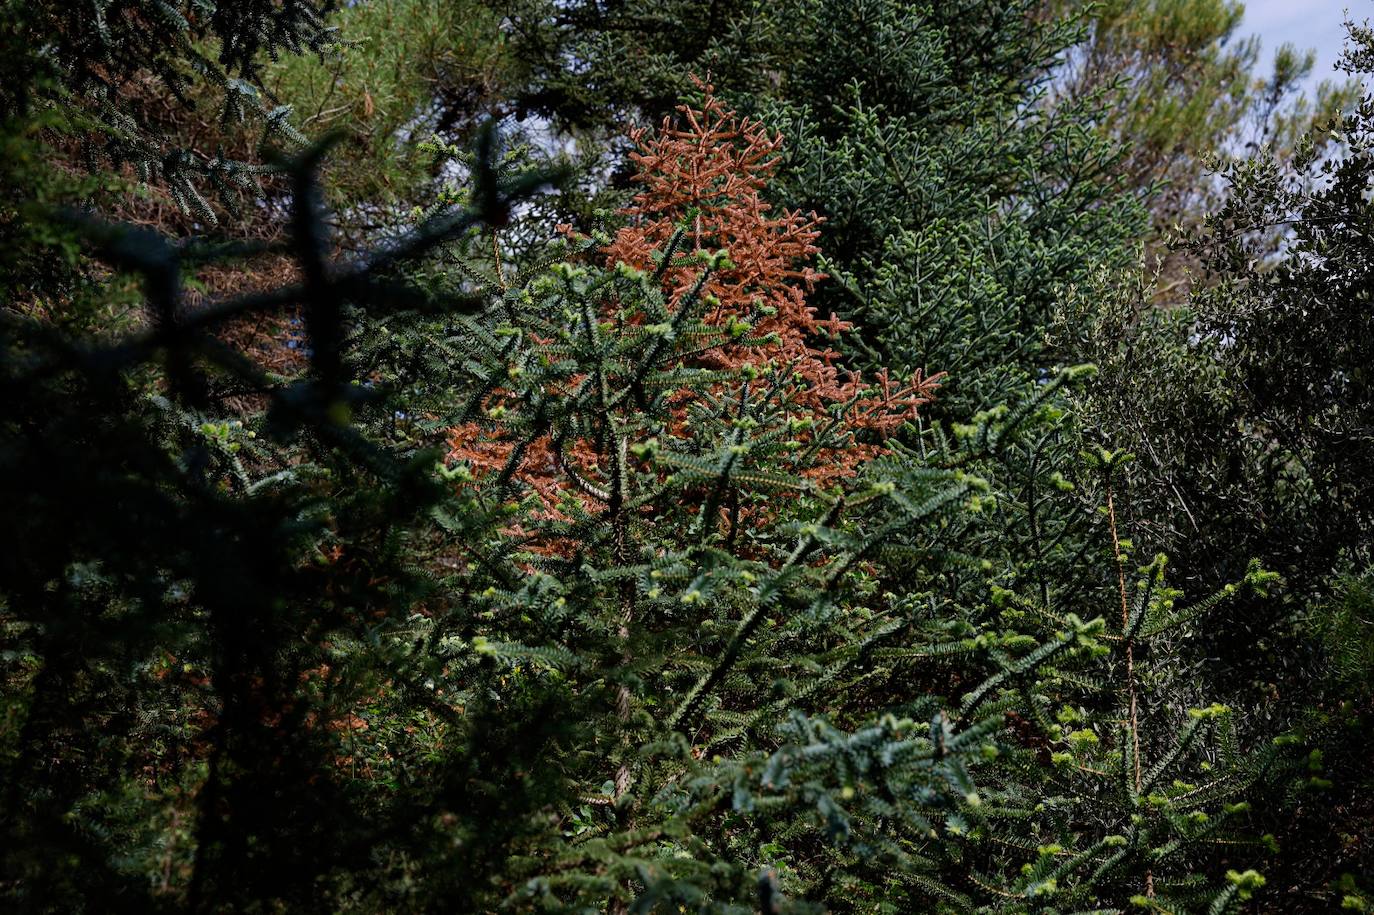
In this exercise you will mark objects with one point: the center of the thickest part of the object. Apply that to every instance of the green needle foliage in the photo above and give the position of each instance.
(957, 198)
(167, 649)
(607, 567)
(96, 55)
(1249, 412)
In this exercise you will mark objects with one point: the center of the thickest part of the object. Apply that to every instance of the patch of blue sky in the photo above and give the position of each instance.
(1308, 24)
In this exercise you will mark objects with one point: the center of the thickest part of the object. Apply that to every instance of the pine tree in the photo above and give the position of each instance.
(1191, 85)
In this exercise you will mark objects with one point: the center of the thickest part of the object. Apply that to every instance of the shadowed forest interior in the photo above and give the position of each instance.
(629, 456)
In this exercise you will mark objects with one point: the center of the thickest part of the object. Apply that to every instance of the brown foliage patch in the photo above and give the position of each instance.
(709, 171)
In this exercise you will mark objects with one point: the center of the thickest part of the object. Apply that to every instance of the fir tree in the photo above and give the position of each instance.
(96, 59)
(611, 568)
(1247, 411)
(707, 440)
(956, 200)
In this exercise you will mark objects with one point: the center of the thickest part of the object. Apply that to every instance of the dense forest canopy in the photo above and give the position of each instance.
(683, 456)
